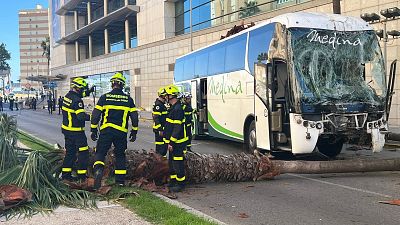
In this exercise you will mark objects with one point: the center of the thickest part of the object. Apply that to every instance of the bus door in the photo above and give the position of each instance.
(195, 91)
(280, 123)
(261, 73)
(202, 112)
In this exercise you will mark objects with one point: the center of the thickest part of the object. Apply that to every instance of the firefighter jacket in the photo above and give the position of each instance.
(187, 108)
(115, 108)
(159, 115)
(74, 115)
(175, 131)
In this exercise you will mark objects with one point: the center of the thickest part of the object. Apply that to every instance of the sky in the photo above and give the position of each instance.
(9, 28)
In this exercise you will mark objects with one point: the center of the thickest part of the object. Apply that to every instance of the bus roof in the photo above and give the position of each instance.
(324, 21)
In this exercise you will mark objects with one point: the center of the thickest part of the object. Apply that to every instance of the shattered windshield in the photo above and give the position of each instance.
(334, 67)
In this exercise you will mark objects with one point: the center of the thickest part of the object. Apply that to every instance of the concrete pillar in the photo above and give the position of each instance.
(89, 12)
(106, 42)
(127, 35)
(105, 7)
(76, 21)
(77, 53)
(90, 47)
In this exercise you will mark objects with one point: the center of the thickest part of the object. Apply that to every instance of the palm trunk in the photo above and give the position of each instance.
(202, 168)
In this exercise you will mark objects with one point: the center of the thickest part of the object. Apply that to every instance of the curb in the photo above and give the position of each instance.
(189, 209)
(28, 134)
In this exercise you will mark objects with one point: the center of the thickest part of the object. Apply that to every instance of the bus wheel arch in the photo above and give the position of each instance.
(249, 134)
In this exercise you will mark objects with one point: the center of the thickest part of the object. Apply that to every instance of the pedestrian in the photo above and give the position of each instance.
(33, 103)
(176, 139)
(187, 108)
(11, 100)
(73, 128)
(115, 108)
(1, 104)
(50, 105)
(16, 104)
(54, 104)
(60, 101)
(159, 115)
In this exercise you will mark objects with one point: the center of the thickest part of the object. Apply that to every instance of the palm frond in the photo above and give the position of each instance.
(8, 140)
(48, 191)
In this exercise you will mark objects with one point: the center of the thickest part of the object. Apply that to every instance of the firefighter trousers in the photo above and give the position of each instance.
(76, 147)
(189, 134)
(120, 145)
(176, 164)
(161, 147)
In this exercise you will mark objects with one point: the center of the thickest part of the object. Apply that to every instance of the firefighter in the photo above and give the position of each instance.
(175, 138)
(73, 128)
(187, 108)
(115, 108)
(159, 115)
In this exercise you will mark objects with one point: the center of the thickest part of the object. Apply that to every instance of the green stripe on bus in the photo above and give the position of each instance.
(221, 129)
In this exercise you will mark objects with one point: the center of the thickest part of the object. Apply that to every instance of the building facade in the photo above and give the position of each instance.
(33, 29)
(142, 38)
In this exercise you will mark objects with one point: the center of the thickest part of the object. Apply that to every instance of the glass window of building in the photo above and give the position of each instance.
(207, 13)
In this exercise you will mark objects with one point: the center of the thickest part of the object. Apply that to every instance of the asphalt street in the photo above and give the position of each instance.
(351, 198)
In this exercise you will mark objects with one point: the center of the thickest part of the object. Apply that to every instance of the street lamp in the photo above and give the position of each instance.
(389, 14)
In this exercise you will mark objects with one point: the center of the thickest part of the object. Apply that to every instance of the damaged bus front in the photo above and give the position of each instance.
(338, 90)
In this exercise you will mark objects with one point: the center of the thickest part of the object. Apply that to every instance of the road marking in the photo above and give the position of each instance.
(342, 186)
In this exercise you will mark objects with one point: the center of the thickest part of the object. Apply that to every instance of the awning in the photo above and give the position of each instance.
(45, 78)
(101, 23)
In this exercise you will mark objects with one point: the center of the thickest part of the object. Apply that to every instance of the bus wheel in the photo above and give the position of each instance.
(251, 138)
(330, 149)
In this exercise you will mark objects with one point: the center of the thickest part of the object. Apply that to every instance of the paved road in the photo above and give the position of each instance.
(289, 199)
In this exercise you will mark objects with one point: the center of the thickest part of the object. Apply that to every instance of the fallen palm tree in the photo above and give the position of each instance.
(202, 168)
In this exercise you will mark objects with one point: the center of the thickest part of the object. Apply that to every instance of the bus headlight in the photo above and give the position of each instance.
(305, 123)
(376, 124)
(312, 124)
(298, 121)
(319, 126)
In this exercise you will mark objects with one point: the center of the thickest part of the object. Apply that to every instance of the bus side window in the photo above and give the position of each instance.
(258, 45)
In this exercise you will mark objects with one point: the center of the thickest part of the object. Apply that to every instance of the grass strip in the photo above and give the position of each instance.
(154, 209)
(33, 143)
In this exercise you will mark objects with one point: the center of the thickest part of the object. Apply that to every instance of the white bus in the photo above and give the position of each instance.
(299, 82)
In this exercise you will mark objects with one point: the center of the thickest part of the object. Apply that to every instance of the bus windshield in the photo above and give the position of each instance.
(334, 67)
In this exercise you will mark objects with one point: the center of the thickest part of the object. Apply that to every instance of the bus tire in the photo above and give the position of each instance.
(251, 138)
(330, 149)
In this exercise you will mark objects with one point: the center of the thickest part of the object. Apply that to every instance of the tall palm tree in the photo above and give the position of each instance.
(46, 52)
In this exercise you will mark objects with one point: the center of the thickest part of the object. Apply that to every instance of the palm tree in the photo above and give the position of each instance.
(203, 168)
(250, 9)
(46, 52)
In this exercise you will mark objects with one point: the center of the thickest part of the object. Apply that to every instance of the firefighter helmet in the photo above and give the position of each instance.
(172, 90)
(79, 82)
(162, 91)
(118, 78)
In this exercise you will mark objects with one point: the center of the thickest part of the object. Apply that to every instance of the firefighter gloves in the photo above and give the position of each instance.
(132, 136)
(94, 136)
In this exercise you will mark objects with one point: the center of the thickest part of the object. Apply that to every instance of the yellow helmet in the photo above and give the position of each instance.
(172, 90)
(79, 82)
(118, 77)
(162, 91)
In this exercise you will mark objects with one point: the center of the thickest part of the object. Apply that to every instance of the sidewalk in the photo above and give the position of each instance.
(105, 214)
